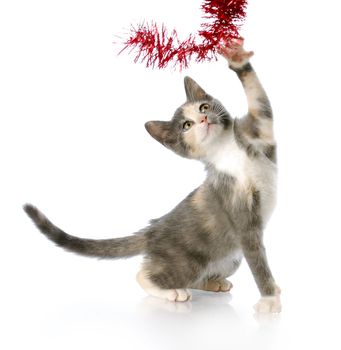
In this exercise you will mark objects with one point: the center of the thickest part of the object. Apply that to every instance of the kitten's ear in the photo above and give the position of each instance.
(194, 91)
(161, 131)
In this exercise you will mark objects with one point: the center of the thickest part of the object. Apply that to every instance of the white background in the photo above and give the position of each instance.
(72, 142)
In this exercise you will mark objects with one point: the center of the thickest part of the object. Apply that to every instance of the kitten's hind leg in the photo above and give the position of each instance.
(154, 290)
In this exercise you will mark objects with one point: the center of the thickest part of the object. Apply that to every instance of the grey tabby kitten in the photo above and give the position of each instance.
(202, 241)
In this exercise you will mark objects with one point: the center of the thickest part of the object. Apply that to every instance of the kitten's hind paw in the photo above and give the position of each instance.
(214, 285)
(225, 286)
(183, 295)
(155, 291)
(218, 285)
(174, 294)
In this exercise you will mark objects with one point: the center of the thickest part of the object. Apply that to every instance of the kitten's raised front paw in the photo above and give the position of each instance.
(235, 53)
(269, 304)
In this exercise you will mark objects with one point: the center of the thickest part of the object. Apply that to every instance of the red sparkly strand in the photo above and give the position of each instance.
(157, 48)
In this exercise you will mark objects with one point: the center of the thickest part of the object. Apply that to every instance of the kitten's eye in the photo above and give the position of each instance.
(187, 125)
(204, 107)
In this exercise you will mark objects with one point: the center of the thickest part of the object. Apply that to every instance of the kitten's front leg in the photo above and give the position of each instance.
(257, 125)
(255, 256)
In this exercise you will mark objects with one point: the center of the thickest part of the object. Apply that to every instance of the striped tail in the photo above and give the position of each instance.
(103, 248)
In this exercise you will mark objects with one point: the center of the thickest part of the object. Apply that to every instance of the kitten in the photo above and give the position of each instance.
(202, 241)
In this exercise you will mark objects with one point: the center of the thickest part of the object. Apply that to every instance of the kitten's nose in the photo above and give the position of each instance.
(203, 119)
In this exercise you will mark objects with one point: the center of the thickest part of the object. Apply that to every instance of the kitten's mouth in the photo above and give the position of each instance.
(208, 127)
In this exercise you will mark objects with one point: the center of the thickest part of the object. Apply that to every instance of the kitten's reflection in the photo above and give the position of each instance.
(215, 305)
(201, 303)
(150, 303)
(267, 320)
(207, 316)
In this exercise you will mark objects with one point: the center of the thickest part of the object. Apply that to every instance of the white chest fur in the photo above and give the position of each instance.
(259, 172)
(230, 159)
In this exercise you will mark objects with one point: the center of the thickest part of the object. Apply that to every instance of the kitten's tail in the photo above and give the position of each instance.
(103, 248)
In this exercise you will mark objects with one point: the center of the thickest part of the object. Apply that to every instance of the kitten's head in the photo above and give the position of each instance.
(196, 126)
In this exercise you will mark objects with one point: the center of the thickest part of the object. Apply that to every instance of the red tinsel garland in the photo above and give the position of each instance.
(157, 48)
